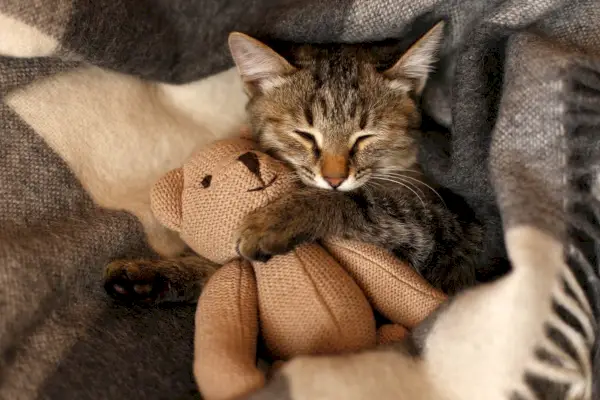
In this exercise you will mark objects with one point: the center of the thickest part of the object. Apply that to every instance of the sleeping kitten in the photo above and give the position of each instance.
(346, 119)
(349, 128)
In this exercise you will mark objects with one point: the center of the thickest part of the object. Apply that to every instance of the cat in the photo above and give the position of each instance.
(346, 119)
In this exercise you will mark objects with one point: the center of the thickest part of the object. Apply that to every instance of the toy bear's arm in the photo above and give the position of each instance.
(165, 199)
(394, 289)
(226, 334)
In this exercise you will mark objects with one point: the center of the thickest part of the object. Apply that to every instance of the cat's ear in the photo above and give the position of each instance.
(410, 72)
(259, 66)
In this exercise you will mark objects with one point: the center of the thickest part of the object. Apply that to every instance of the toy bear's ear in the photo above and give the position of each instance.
(165, 199)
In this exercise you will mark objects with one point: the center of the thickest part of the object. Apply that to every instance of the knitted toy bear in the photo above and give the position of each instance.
(316, 299)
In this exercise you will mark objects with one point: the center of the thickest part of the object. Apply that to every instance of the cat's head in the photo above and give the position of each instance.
(331, 113)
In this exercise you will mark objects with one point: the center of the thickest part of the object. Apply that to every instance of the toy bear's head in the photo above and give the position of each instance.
(207, 198)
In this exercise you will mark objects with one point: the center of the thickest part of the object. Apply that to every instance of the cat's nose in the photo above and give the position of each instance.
(334, 169)
(334, 182)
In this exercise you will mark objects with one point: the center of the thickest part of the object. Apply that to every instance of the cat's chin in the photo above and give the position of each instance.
(348, 185)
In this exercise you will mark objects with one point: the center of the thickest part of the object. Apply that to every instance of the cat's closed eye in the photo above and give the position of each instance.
(306, 136)
(358, 142)
(311, 140)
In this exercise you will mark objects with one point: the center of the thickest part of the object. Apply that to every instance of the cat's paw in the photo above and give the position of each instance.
(263, 235)
(135, 281)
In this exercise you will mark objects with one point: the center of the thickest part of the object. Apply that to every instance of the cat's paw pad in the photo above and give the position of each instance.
(258, 240)
(133, 281)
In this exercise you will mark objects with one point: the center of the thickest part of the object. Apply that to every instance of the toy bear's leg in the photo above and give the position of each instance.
(225, 340)
(151, 281)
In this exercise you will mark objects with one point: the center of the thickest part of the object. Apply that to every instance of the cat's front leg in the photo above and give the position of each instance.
(304, 216)
(152, 281)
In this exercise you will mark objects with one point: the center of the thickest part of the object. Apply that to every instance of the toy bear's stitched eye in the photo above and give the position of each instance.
(206, 181)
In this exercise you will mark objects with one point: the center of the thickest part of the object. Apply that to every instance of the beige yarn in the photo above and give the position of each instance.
(227, 321)
(166, 199)
(391, 333)
(309, 305)
(393, 288)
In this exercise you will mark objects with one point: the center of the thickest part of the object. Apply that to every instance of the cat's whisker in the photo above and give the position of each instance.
(397, 175)
(371, 188)
(401, 184)
(401, 178)
(419, 181)
(396, 169)
(370, 183)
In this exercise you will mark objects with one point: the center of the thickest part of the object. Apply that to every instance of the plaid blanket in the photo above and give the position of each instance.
(99, 98)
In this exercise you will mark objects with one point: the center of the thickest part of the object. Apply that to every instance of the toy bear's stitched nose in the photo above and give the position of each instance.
(251, 161)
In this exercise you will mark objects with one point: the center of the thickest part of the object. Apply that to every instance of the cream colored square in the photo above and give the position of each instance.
(119, 134)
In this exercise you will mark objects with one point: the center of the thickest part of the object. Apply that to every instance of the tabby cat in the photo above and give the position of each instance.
(347, 122)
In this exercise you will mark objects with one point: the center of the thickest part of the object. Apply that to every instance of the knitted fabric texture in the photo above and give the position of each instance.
(227, 318)
(310, 305)
(394, 289)
(390, 333)
(166, 199)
